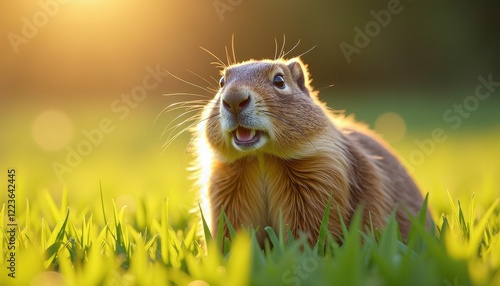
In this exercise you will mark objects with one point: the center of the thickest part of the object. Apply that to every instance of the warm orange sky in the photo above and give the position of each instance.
(82, 49)
(89, 46)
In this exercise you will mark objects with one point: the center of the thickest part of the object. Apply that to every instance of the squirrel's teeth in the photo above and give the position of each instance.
(244, 134)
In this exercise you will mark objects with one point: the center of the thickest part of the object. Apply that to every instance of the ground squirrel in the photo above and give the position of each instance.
(265, 143)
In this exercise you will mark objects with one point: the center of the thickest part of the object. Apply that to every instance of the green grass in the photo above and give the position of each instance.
(77, 250)
(57, 243)
(138, 230)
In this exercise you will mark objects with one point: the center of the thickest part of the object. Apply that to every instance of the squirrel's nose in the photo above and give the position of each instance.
(235, 102)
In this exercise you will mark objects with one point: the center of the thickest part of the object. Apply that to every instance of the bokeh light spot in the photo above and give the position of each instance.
(52, 130)
(391, 126)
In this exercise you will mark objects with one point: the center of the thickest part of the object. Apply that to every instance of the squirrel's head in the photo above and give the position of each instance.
(265, 106)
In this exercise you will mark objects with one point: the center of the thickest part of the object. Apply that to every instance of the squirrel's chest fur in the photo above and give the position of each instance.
(255, 189)
(261, 184)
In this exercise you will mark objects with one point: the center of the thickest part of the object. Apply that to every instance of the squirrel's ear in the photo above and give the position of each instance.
(299, 73)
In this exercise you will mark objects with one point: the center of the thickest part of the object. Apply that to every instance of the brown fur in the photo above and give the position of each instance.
(308, 155)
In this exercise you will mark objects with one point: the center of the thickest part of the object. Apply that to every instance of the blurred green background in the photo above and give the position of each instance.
(68, 68)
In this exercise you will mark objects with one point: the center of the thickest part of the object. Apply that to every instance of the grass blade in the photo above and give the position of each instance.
(323, 229)
(206, 229)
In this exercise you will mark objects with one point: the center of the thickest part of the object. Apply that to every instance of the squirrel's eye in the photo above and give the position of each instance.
(279, 81)
(221, 82)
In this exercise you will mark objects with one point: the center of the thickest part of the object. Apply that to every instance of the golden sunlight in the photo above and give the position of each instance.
(52, 130)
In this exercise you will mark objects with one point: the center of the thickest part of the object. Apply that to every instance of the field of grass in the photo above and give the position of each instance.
(108, 229)
(72, 244)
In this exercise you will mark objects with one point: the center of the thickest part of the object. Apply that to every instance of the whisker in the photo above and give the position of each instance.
(275, 48)
(171, 139)
(187, 93)
(171, 129)
(227, 57)
(198, 114)
(232, 47)
(218, 65)
(183, 104)
(196, 134)
(175, 129)
(197, 101)
(187, 104)
(221, 63)
(216, 81)
(282, 47)
(212, 87)
(198, 107)
(188, 82)
(293, 48)
(164, 111)
(306, 52)
(186, 107)
(327, 86)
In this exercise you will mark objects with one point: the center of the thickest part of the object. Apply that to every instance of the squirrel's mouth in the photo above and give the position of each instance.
(246, 137)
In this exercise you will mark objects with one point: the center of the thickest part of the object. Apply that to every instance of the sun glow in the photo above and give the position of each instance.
(52, 130)
(204, 161)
